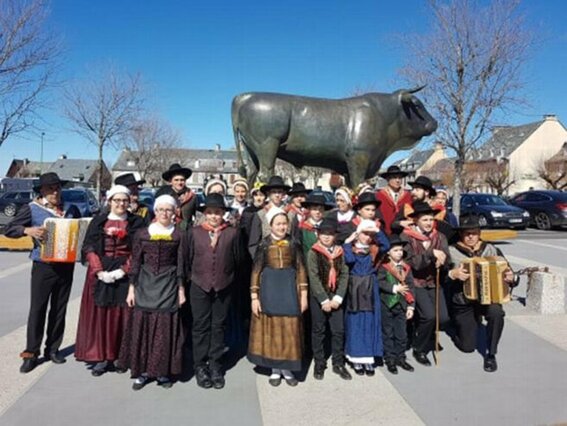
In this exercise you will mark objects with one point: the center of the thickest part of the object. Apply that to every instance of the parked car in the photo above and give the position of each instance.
(494, 212)
(11, 201)
(329, 197)
(83, 198)
(147, 197)
(547, 208)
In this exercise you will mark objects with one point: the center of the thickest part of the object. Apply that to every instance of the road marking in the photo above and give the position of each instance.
(543, 245)
(15, 269)
(14, 384)
(528, 262)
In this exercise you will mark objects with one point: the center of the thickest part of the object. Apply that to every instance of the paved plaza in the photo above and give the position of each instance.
(529, 387)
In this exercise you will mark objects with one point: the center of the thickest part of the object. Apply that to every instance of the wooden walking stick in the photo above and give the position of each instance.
(437, 285)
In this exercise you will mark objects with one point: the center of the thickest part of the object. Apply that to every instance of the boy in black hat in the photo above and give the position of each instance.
(315, 206)
(213, 256)
(467, 314)
(177, 176)
(428, 256)
(398, 304)
(328, 279)
(50, 282)
(297, 195)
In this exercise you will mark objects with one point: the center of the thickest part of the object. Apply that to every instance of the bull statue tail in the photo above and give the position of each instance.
(237, 139)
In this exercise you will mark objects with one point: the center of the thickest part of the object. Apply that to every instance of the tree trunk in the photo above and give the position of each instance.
(99, 173)
(459, 165)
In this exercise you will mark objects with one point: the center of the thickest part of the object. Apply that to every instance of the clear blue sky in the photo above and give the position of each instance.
(196, 55)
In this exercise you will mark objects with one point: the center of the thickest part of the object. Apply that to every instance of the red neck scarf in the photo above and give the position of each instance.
(297, 211)
(337, 252)
(216, 232)
(307, 225)
(401, 277)
(411, 232)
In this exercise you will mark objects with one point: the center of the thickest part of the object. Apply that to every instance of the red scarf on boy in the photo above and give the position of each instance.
(401, 277)
(216, 232)
(337, 252)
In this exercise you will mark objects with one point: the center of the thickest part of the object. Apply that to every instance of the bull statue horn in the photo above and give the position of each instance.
(417, 89)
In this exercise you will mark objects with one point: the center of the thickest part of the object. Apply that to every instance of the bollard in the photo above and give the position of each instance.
(546, 293)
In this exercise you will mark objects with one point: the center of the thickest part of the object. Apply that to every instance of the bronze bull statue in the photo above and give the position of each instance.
(351, 136)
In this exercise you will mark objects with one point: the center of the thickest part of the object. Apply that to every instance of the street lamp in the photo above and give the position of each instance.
(41, 155)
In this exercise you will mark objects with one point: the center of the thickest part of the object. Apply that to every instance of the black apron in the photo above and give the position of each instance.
(360, 293)
(111, 294)
(278, 292)
(157, 292)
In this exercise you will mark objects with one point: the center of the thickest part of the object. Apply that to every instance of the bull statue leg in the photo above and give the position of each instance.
(357, 165)
(250, 164)
(267, 158)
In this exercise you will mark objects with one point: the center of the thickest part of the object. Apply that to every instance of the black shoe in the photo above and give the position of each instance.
(404, 365)
(379, 361)
(165, 382)
(358, 369)
(421, 357)
(55, 358)
(342, 372)
(369, 369)
(275, 381)
(490, 364)
(319, 372)
(439, 347)
(203, 378)
(218, 379)
(99, 369)
(140, 382)
(28, 365)
(392, 367)
(292, 381)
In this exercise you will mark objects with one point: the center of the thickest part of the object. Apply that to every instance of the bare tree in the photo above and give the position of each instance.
(28, 60)
(150, 143)
(471, 60)
(499, 178)
(104, 110)
(554, 174)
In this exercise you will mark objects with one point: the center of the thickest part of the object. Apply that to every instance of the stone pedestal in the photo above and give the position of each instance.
(546, 293)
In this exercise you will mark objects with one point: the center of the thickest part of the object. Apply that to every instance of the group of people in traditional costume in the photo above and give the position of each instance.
(279, 272)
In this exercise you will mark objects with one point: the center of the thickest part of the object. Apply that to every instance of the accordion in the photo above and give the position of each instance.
(64, 238)
(486, 283)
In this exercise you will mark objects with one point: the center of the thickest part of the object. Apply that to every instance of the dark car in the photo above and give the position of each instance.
(329, 197)
(547, 208)
(83, 198)
(11, 201)
(494, 212)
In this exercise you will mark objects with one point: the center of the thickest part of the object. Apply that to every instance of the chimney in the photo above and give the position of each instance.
(438, 146)
(217, 147)
(549, 117)
(62, 157)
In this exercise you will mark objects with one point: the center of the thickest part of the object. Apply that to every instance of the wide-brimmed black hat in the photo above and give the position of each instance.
(366, 198)
(214, 200)
(469, 221)
(328, 226)
(316, 200)
(128, 179)
(393, 171)
(275, 182)
(425, 183)
(421, 208)
(298, 188)
(50, 178)
(174, 170)
(395, 240)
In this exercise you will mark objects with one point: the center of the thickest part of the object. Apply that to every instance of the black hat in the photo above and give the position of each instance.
(469, 221)
(425, 183)
(393, 171)
(316, 200)
(366, 198)
(421, 208)
(128, 179)
(328, 226)
(395, 240)
(50, 178)
(174, 170)
(275, 182)
(213, 200)
(298, 188)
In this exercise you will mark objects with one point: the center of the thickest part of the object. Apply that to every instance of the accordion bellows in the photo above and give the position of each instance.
(486, 283)
(64, 239)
